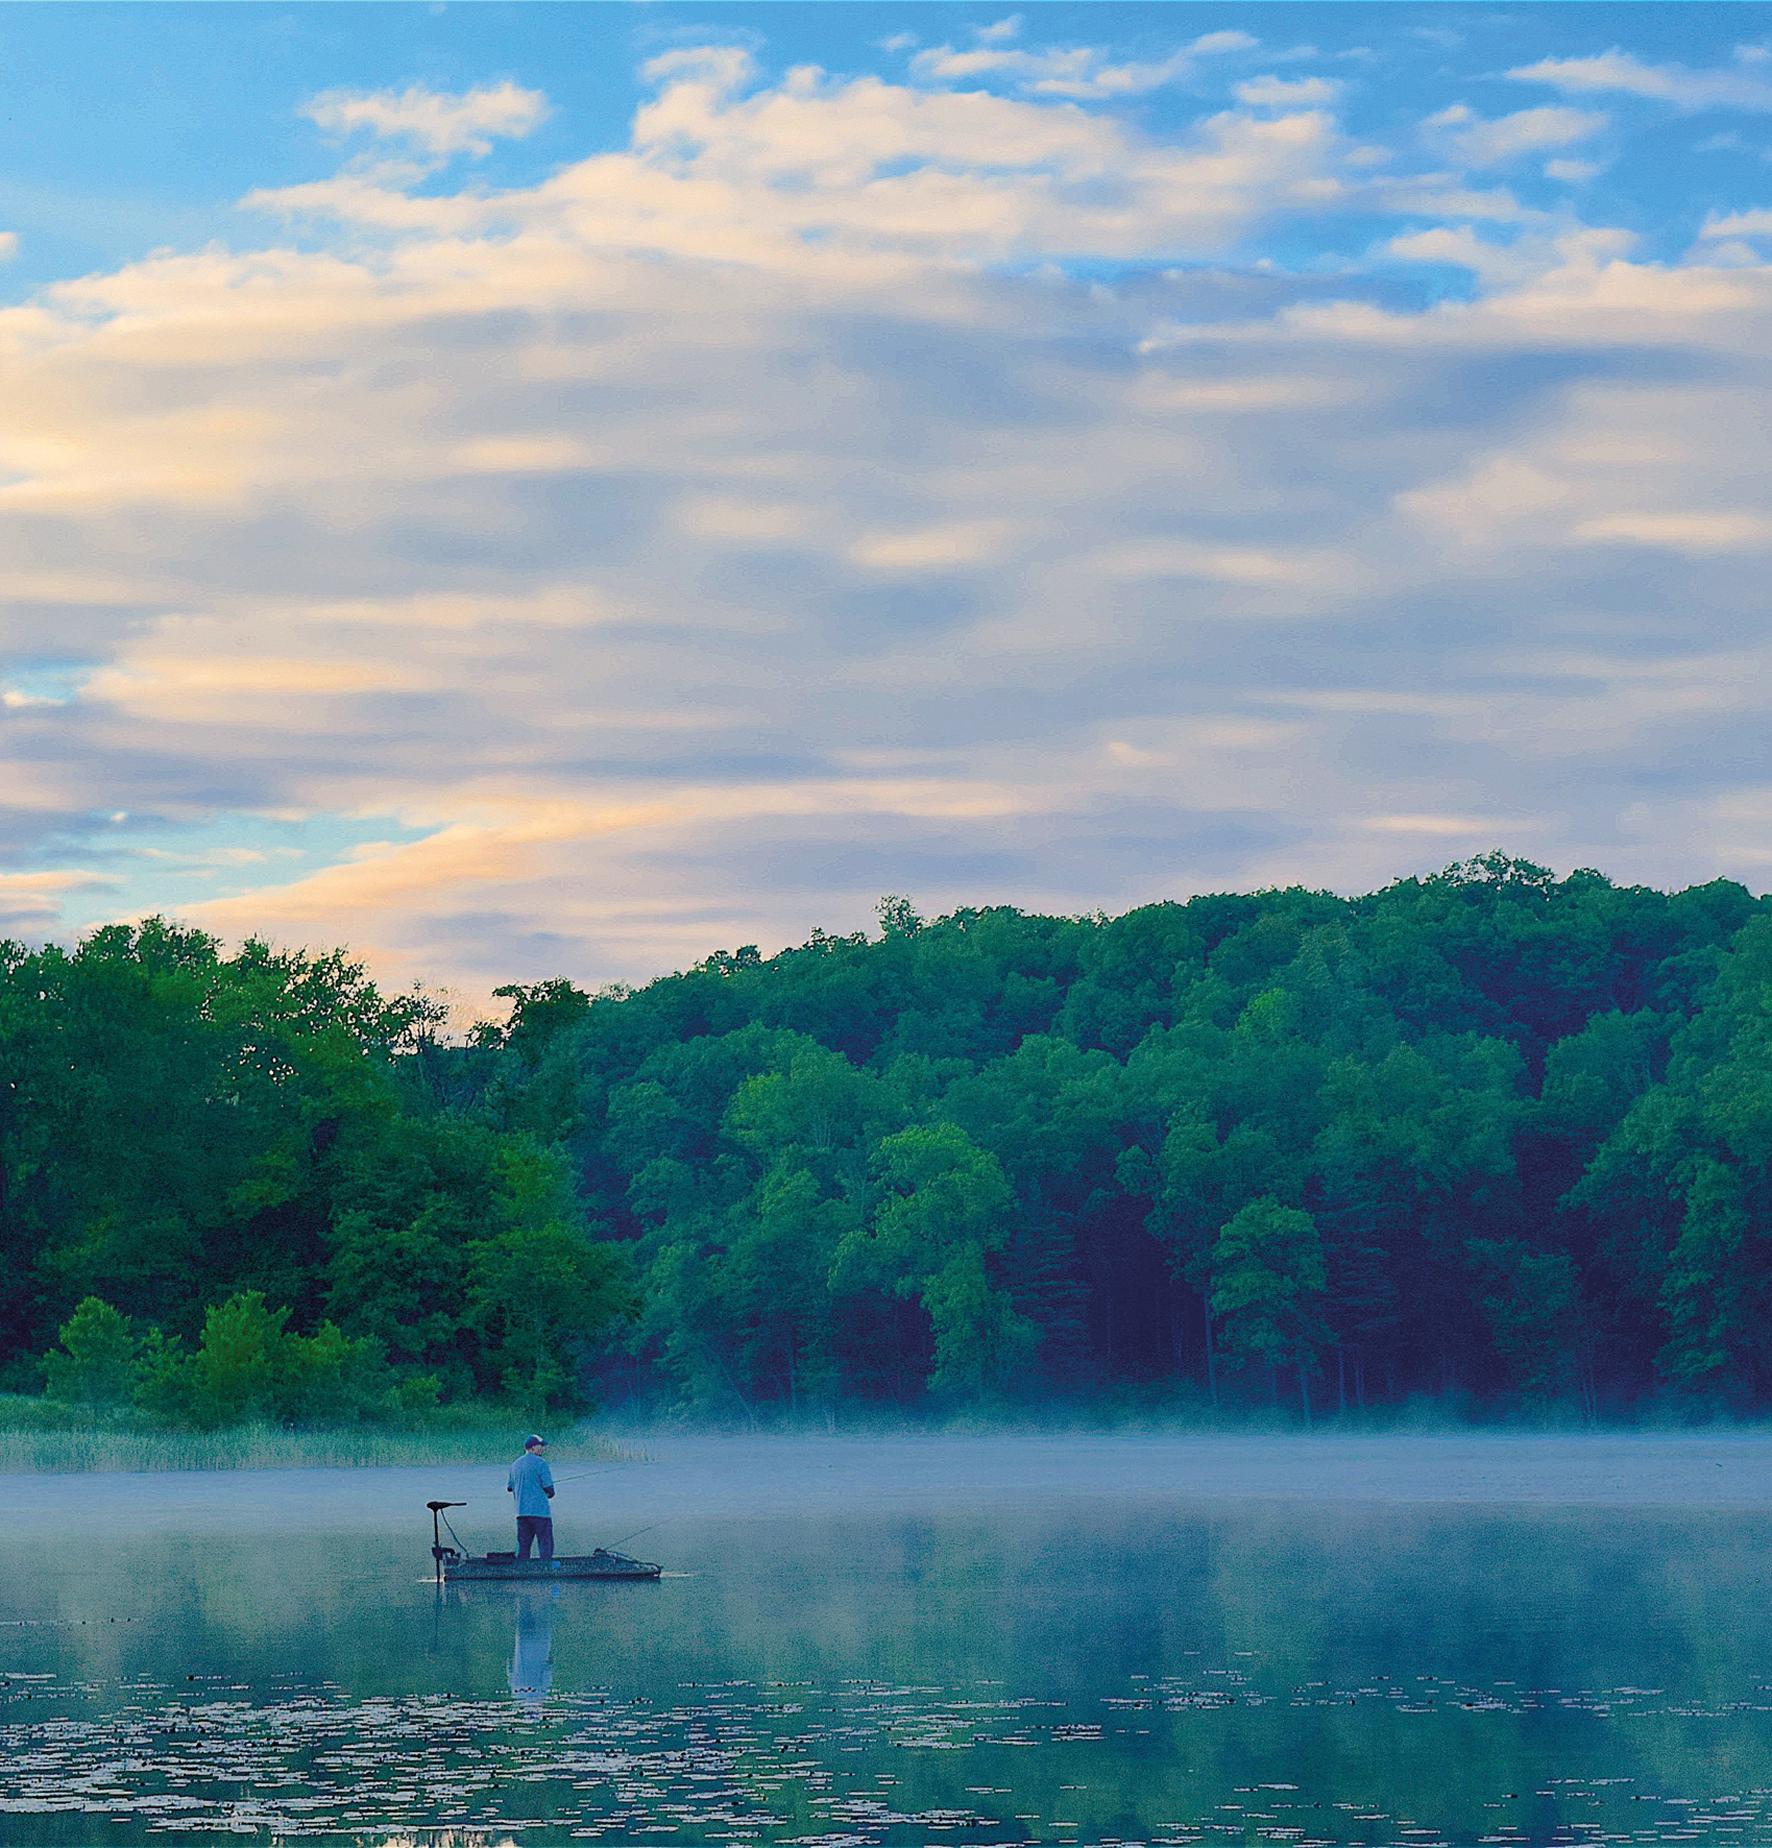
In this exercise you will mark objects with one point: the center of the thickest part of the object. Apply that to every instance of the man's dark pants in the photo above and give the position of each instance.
(535, 1530)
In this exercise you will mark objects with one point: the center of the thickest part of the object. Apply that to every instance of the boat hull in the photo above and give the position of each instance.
(598, 1565)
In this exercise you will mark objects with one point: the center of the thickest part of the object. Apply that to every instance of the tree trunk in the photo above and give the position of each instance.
(1304, 1390)
(1211, 1354)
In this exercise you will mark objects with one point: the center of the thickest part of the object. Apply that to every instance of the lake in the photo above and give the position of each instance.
(989, 1639)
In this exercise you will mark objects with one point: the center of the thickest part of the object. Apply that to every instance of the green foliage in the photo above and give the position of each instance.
(944, 1208)
(1268, 1283)
(1533, 1303)
(537, 1294)
(101, 1360)
(241, 1188)
(1494, 1133)
(248, 1368)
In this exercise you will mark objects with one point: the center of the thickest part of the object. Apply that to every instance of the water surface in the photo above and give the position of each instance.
(986, 1640)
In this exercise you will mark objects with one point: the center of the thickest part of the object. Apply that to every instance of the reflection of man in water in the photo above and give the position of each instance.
(532, 1653)
(532, 1483)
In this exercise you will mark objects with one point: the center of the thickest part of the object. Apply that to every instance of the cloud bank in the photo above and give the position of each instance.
(861, 482)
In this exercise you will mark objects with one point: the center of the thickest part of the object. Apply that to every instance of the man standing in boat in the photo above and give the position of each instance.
(532, 1483)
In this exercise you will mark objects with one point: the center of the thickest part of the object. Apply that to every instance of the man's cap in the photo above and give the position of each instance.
(532, 1442)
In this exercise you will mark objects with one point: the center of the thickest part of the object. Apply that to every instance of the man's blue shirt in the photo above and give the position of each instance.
(530, 1476)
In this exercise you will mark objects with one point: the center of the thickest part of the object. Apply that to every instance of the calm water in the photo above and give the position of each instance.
(969, 1641)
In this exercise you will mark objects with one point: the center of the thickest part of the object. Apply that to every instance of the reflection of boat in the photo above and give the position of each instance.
(457, 1566)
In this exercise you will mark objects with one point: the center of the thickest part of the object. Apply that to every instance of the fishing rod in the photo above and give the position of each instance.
(635, 1535)
(602, 1469)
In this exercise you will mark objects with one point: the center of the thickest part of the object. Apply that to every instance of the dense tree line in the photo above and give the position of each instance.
(1492, 1134)
(222, 1180)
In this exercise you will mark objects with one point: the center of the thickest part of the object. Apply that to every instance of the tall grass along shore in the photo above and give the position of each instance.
(38, 1438)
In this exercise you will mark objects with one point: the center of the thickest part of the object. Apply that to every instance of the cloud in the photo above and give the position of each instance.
(1690, 529)
(32, 902)
(1288, 92)
(1754, 223)
(1448, 827)
(942, 547)
(1085, 72)
(1621, 73)
(441, 123)
(846, 485)
(1494, 141)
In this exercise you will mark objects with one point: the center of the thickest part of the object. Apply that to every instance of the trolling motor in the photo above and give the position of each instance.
(440, 1552)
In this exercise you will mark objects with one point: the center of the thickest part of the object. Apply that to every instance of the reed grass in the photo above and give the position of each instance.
(38, 1438)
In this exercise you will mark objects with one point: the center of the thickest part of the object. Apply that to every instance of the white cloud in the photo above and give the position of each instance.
(1754, 223)
(1084, 72)
(439, 122)
(1621, 73)
(999, 30)
(1288, 92)
(1461, 247)
(944, 546)
(32, 902)
(1691, 529)
(1492, 827)
(1494, 141)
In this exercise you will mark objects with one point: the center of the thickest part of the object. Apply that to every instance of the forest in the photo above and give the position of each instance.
(1495, 1139)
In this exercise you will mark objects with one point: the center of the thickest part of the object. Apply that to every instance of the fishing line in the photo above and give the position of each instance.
(635, 1535)
(579, 1475)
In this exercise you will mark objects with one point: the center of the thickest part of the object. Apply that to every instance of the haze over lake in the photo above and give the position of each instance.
(896, 1640)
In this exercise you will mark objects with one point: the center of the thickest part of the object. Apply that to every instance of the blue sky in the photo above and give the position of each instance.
(130, 127)
(527, 490)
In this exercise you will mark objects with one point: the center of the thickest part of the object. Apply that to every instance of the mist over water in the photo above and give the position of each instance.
(991, 1639)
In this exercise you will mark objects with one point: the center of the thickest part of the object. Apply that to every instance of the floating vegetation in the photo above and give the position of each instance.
(738, 1763)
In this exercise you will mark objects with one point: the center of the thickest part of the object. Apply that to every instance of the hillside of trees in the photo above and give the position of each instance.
(1492, 1137)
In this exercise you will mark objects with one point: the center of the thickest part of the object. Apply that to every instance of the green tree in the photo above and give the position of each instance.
(942, 1207)
(539, 1296)
(773, 1285)
(1540, 1325)
(101, 1359)
(1268, 1281)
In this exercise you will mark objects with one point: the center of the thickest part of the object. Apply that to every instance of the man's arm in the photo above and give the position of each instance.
(547, 1481)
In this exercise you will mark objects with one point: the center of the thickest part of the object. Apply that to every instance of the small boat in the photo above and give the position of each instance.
(459, 1568)
(455, 1566)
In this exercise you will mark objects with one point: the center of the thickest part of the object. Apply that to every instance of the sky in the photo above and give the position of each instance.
(560, 490)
